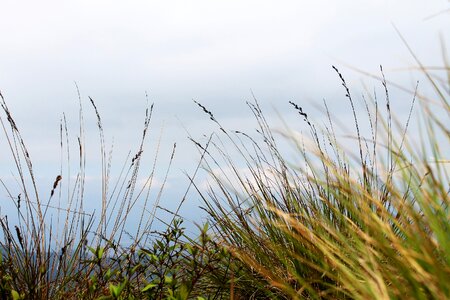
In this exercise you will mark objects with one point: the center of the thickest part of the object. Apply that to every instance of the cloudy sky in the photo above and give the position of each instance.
(216, 52)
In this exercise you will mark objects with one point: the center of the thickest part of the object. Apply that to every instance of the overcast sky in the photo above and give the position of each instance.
(215, 52)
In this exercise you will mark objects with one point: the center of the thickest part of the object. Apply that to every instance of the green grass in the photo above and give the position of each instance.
(58, 250)
(369, 222)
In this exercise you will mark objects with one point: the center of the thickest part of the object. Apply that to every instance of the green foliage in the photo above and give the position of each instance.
(369, 222)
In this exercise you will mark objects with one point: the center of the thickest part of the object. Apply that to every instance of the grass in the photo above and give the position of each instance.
(58, 251)
(369, 222)
(366, 224)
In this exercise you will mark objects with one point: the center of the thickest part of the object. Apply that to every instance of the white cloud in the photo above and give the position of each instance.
(214, 51)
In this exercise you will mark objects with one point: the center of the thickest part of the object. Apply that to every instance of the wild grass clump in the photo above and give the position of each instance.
(365, 217)
(53, 248)
(367, 222)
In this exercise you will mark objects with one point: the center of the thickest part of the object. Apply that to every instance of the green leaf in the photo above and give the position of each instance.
(100, 252)
(108, 275)
(15, 295)
(183, 292)
(116, 290)
(168, 279)
(135, 268)
(149, 287)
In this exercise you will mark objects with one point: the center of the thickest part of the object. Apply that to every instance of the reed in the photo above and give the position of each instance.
(370, 223)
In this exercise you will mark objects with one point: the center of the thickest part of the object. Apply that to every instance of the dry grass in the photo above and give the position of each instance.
(370, 223)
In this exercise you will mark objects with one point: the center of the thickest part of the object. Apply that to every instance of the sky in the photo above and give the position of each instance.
(219, 53)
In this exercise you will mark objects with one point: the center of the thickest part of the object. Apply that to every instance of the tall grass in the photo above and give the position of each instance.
(365, 217)
(56, 249)
(369, 222)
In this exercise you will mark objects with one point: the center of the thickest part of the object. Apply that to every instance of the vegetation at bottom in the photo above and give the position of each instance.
(329, 222)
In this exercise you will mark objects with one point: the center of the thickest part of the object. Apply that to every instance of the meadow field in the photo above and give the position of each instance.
(360, 216)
